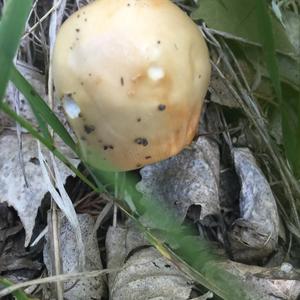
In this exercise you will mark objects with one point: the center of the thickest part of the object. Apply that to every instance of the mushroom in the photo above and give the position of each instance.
(132, 76)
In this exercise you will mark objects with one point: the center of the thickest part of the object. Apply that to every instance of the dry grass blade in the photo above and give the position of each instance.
(54, 226)
(62, 200)
(243, 96)
(53, 279)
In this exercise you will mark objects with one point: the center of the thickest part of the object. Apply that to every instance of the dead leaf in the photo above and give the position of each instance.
(145, 274)
(220, 93)
(255, 234)
(86, 288)
(13, 189)
(268, 288)
(189, 178)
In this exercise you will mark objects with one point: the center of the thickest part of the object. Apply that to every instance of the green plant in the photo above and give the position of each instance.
(195, 258)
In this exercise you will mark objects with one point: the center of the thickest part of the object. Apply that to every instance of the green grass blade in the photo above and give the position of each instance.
(194, 253)
(264, 27)
(40, 108)
(25, 124)
(42, 124)
(290, 104)
(290, 111)
(19, 294)
(15, 14)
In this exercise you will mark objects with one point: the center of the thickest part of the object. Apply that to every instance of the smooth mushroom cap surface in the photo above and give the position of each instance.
(132, 76)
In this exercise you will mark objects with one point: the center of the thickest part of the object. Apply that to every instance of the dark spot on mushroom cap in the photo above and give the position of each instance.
(147, 157)
(141, 141)
(122, 81)
(77, 29)
(139, 119)
(90, 74)
(78, 16)
(158, 42)
(89, 128)
(106, 147)
(161, 107)
(85, 20)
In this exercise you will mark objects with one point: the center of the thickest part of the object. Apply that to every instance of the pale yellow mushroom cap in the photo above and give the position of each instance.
(132, 75)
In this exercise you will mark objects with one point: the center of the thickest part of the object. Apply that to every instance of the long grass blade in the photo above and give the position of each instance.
(25, 124)
(264, 27)
(15, 14)
(42, 124)
(196, 255)
(196, 258)
(41, 109)
(289, 100)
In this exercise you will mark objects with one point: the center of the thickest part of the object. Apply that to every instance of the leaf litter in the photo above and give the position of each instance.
(200, 195)
(25, 198)
(85, 288)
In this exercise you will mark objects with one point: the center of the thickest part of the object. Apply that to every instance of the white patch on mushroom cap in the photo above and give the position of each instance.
(71, 107)
(156, 73)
